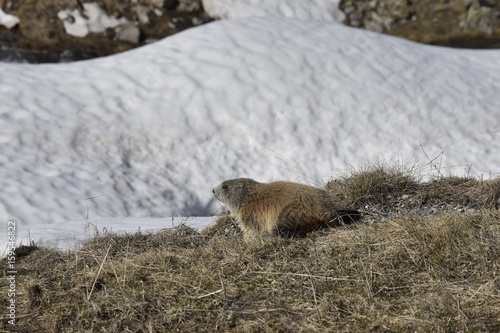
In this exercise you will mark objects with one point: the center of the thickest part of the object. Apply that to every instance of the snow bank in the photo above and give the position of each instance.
(319, 10)
(7, 20)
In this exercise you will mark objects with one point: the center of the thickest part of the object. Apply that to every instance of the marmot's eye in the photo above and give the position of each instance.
(224, 187)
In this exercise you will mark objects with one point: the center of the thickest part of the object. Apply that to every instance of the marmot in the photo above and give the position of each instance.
(283, 208)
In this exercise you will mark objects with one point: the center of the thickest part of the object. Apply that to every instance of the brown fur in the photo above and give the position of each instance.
(284, 208)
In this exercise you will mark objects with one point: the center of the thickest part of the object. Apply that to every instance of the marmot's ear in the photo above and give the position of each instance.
(240, 191)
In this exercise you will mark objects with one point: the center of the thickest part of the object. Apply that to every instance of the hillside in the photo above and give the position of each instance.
(414, 270)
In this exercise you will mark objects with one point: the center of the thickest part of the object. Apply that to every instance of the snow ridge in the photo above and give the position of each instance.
(320, 10)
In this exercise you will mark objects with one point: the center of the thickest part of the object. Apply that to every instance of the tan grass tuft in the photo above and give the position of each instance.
(372, 185)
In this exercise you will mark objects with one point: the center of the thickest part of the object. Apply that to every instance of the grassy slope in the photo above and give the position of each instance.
(414, 270)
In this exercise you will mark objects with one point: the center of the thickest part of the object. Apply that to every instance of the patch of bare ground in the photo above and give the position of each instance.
(410, 272)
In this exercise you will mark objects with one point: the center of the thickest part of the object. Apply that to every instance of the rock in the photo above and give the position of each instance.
(480, 18)
(128, 33)
(348, 10)
(171, 4)
(189, 5)
(142, 14)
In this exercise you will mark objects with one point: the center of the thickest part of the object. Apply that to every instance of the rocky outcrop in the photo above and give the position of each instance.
(58, 30)
(459, 23)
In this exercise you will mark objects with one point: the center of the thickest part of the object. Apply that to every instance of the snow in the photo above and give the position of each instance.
(75, 232)
(320, 10)
(131, 140)
(93, 19)
(7, 20)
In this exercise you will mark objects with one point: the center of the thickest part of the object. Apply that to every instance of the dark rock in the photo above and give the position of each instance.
(171, 4)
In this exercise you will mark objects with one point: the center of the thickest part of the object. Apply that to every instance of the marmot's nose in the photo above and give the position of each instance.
(213, 190)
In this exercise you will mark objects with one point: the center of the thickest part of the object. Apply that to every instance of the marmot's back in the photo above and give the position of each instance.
(284, 208)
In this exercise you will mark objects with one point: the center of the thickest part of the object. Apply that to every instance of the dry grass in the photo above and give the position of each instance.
(372, 185)
(396, 190)
(410, 273)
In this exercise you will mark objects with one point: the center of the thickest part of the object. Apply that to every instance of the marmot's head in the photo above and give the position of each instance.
(233, 192)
